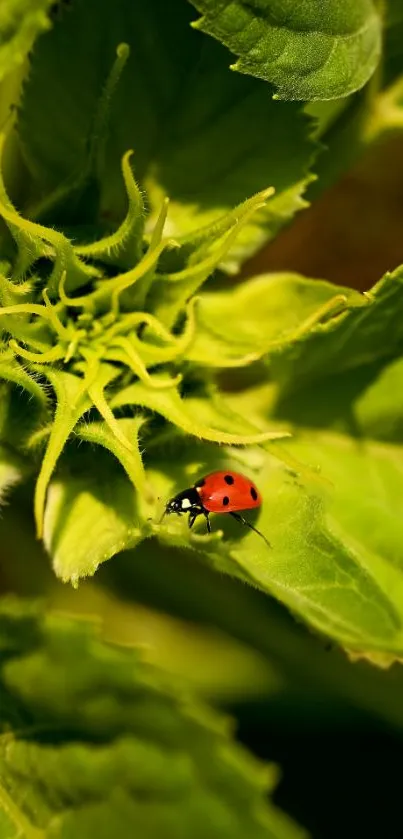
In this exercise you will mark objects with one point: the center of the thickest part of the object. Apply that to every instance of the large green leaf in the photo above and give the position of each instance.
(173, 581)
(21, 21)
(310, 50)
(305, 328)
(112, 749)
(361, 334)
(262, 315)
(378, 406)
(176, 105)
(334, 559)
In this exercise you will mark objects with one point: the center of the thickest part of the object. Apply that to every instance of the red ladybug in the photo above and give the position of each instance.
(219, 492)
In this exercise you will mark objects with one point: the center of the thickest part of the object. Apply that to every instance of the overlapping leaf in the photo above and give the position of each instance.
(308, 50)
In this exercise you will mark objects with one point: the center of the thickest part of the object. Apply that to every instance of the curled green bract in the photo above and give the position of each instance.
(105, 319)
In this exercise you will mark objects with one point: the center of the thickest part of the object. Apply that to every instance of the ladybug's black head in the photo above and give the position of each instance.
(173, 506)
(187, 501)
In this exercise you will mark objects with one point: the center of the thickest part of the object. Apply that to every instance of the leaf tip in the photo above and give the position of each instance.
(197, 24)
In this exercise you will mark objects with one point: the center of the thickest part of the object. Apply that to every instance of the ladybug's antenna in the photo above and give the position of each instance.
(241, 520)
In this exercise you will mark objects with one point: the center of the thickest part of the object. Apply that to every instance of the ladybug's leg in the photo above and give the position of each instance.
(241, 519)
(192, 518)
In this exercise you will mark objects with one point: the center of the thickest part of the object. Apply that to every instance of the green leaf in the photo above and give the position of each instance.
(364, 402)
(349, 427)
(321, 682)
(308, 51)
(270, 312)
(92, 513)
(185, 120)
(364, 522)
(335, 555)
(370, 329)
(378, 407)
(124, 751)
(21, 21)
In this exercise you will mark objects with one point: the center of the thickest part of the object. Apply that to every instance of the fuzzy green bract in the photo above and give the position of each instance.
(124, 750)
(90, 346)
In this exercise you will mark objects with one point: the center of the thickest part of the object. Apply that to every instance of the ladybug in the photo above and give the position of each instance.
(219, 492)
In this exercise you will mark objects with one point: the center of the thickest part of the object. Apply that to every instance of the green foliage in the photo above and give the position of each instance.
(122, 751)
(119, 344)
(181, 110)
(86, 332)
(309, 50)
(138, 351)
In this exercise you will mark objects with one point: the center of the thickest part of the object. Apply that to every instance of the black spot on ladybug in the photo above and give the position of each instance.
(228, 479)
(253, 493)
(200, 483)
(225, 500)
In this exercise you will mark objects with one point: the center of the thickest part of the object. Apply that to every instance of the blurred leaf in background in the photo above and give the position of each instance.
(97, 741)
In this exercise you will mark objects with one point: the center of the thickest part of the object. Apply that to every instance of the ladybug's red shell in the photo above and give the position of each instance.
(226, 492)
